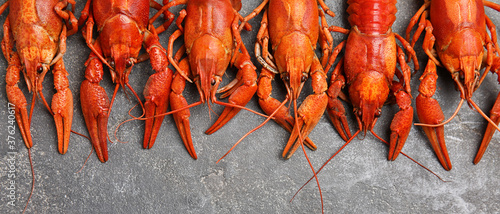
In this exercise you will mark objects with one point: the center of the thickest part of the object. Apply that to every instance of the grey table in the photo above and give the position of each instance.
(253, 178)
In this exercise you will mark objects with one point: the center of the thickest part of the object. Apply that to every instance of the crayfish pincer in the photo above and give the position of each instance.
(123, 27)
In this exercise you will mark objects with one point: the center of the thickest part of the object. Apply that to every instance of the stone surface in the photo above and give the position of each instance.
(253, 178)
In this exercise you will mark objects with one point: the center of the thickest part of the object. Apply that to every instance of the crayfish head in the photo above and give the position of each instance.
(208, 60)
(367, 115)
(368, 93)
(207, 80)
(120, 40)
(121, 62)
(35, 68)
(294, 76)
(464, 61)
(467, 75)
(294, 57)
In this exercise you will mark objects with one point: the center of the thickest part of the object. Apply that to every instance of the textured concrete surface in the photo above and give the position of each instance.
(253, 178)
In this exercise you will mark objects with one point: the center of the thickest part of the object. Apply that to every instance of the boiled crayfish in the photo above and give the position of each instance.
(369, 66)
(455, 38)
(367, 70)
(37, 31)
(212, 42)
(294, 30)
(123, 28)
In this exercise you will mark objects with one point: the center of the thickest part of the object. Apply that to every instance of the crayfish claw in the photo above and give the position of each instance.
(429, 112)
(308, 115)
(490, 130)
(400, 129)
(181, 118)
(185, 132)
(156, 92)
(17, 99)
(402, 121)
(336, 113)
(22, 118)
(95, 108)
(62, 106)
(239, 94)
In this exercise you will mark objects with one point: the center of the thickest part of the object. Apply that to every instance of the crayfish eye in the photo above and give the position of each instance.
(286, 77)
(303, 79)
(360, 114)
(378, 113)
(129, 63)
(39, 69)
(112, 63)
(212, 82)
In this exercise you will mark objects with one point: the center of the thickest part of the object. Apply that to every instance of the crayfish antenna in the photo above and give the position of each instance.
(255, 129)
(113, 99)
(301, 142)
(319, 170)
(241, 107)
(133, 118)
(483, 114)
(111, 105)
(407, 156)
(157, 115)
(345, 144)
(91, 148)
(85, 162)
(136, 96)
(33, 181)
(33, 99)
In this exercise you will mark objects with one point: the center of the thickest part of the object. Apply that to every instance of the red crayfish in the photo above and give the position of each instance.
(367, 69)
(37, 32)
(123, 28)
(455, 38)
(212, 42)
(294, 34)
(369, 66)
(34, 40)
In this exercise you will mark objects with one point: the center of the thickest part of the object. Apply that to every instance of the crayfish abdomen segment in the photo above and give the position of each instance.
(135, 10)
(372, 16)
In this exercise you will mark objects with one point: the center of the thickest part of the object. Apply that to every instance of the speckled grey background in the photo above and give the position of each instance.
(253, 178)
